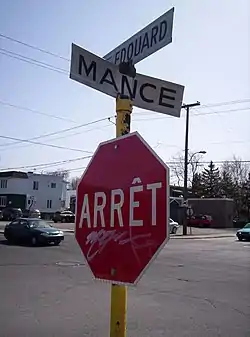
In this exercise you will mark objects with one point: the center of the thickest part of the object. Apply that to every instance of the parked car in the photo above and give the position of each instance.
(244, 233)
(64, 216)
(173, 226)
(35, 214)
(200, 221)
(32, 230)
(10, 213)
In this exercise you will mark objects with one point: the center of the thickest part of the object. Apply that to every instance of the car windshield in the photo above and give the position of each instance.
(39, 224)
(247, 225)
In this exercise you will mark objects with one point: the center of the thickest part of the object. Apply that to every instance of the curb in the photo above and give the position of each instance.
(198, 237)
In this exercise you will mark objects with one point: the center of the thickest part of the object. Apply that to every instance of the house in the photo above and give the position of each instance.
(28, 190)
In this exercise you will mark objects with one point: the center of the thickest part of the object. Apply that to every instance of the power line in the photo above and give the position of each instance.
(193, 114)
(9, 52)
(51, 164)
(58, 132)
(208, 162)
(219, 112)
(61, 137)
(44, 144)
(36, 111)
(33, 47)
(43, 165)
(52, 68)
(211, 105)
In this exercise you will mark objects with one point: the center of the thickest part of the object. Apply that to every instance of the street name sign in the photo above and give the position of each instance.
(147, 92)
(122, 209)
(153, 37)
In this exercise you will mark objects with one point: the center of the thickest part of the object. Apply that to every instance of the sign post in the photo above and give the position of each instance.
(122, 199)
(118, 312)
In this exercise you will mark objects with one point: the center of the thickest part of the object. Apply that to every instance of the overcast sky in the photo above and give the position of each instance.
(209, 55)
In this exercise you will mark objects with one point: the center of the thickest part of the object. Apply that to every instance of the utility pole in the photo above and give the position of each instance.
(185, 190)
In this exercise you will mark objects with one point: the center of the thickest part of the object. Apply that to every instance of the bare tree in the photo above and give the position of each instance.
(237, 169)
(74, 182)
(177, 167)
(60, 173)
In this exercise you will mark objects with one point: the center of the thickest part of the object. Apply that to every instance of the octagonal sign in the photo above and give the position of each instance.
(122, 209)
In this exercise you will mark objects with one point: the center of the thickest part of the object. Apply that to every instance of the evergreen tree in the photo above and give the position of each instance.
(210, 179)
(197, 187)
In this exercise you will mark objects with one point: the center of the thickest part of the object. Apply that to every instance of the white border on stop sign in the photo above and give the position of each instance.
(167, 207)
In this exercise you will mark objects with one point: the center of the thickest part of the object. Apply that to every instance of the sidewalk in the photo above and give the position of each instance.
(204, 233)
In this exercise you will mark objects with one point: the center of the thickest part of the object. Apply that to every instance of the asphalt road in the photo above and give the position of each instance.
(194, 288)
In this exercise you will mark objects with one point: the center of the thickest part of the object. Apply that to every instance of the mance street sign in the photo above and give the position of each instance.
(148, 93)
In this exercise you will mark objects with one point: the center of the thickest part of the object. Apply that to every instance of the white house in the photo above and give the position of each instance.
(32, 191)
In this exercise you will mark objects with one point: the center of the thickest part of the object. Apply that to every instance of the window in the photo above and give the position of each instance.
(4, 183)
(49, 203)
(35, 185)
(53, 185)
(3, 201)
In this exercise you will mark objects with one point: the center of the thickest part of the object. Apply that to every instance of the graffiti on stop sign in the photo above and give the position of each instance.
(98, 240)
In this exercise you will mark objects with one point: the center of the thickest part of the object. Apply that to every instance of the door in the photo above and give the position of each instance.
(24, 230)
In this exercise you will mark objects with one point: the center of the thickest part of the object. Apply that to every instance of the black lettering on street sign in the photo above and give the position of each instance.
(87, 69)
(146, 42)
(127, 90)
(143, 97)
(147, 92)
(111, 81)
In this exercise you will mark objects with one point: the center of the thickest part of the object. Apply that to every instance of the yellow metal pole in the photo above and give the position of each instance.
(118, 314)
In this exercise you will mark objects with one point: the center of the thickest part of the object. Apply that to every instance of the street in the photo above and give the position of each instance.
(194, 288)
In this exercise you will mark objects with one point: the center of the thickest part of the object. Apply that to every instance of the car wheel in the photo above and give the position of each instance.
(240, 238)
(55, 221)
(57, 242)
(63, 220)
(34, 241)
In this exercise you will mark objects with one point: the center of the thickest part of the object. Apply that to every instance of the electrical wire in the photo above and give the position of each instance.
(36, 112)
(44, 144)
(193, 114)
(43, 165)
(52, 68)
(58, 132)
(33, 47)
(9, 52)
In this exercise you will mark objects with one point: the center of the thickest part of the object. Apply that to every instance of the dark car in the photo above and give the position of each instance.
(32, 230)
(10, 213)
(244, 233)
(64, 216)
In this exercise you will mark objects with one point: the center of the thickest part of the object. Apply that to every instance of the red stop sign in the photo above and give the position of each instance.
(122, 209)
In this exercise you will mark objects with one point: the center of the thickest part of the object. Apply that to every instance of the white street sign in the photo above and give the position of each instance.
(147, 92)
(145, 42)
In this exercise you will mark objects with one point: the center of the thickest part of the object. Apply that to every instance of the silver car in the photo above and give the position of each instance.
(173, 226)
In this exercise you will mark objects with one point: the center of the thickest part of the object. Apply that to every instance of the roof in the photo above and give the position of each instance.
(13, 174)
